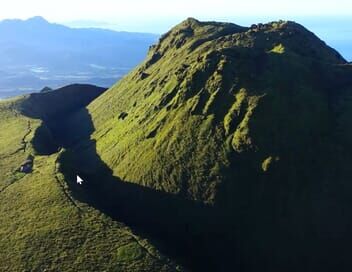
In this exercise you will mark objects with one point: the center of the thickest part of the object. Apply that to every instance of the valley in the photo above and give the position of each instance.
(35, 53)
(28, 79)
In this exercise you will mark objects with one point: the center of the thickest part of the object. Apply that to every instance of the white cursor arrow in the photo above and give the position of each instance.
(79, 180)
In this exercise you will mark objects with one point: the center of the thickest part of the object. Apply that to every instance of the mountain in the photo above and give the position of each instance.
(227, 149)
(230, 144)
(42, 227)
(36, 53)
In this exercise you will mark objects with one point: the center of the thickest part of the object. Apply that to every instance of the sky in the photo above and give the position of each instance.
(331, 20)
(159, 15)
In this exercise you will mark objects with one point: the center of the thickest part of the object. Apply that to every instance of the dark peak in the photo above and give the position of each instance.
(291, 26)
(294, 37)
(278, 25)
(277, 36)
(188, 25)
(194, 23)
(192, 30)
(190, 21)
(46, 89)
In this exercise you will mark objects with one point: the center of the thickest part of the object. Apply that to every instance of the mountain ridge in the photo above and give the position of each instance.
(242, 120)
(229, 146)
(41, 20)
(43, 227)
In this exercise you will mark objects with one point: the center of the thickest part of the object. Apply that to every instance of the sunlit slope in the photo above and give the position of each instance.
(255, 122)
(215, 100)
(16, 131)
(42, 227)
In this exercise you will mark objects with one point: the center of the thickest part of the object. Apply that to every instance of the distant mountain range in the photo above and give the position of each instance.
(35, 53)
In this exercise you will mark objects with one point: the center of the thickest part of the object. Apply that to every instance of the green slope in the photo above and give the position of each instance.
(250, 125)
(195, 105)
(42, 226)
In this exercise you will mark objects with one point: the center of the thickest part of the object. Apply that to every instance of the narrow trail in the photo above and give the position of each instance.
(62, 184)
(138, 241)
(29, 131)
(24, 142)
(135, 206)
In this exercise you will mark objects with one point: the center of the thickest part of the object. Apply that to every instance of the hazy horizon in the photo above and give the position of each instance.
(161, 25)
(157, 16)
(336, 31)
(330, 20)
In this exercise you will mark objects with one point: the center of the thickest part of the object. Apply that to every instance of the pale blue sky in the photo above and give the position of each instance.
(159, 15)
(330, 20)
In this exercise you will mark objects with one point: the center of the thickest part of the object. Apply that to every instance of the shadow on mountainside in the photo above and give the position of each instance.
(294, 218)
(260, 229)
(185, 230)
(255, 233)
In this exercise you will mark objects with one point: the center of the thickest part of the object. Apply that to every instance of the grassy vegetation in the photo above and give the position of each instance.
(234, 140)
(245, 120)
(42, 230)
(204, 84)
(16, 131)
(42, 227)
(278, 49)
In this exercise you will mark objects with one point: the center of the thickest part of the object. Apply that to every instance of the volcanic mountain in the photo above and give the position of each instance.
(235, 141)
(229, 148)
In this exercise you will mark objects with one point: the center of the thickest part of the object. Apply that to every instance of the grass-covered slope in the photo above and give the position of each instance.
(42, 226)
(209, 91)
(254, 122)
(16, 132)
